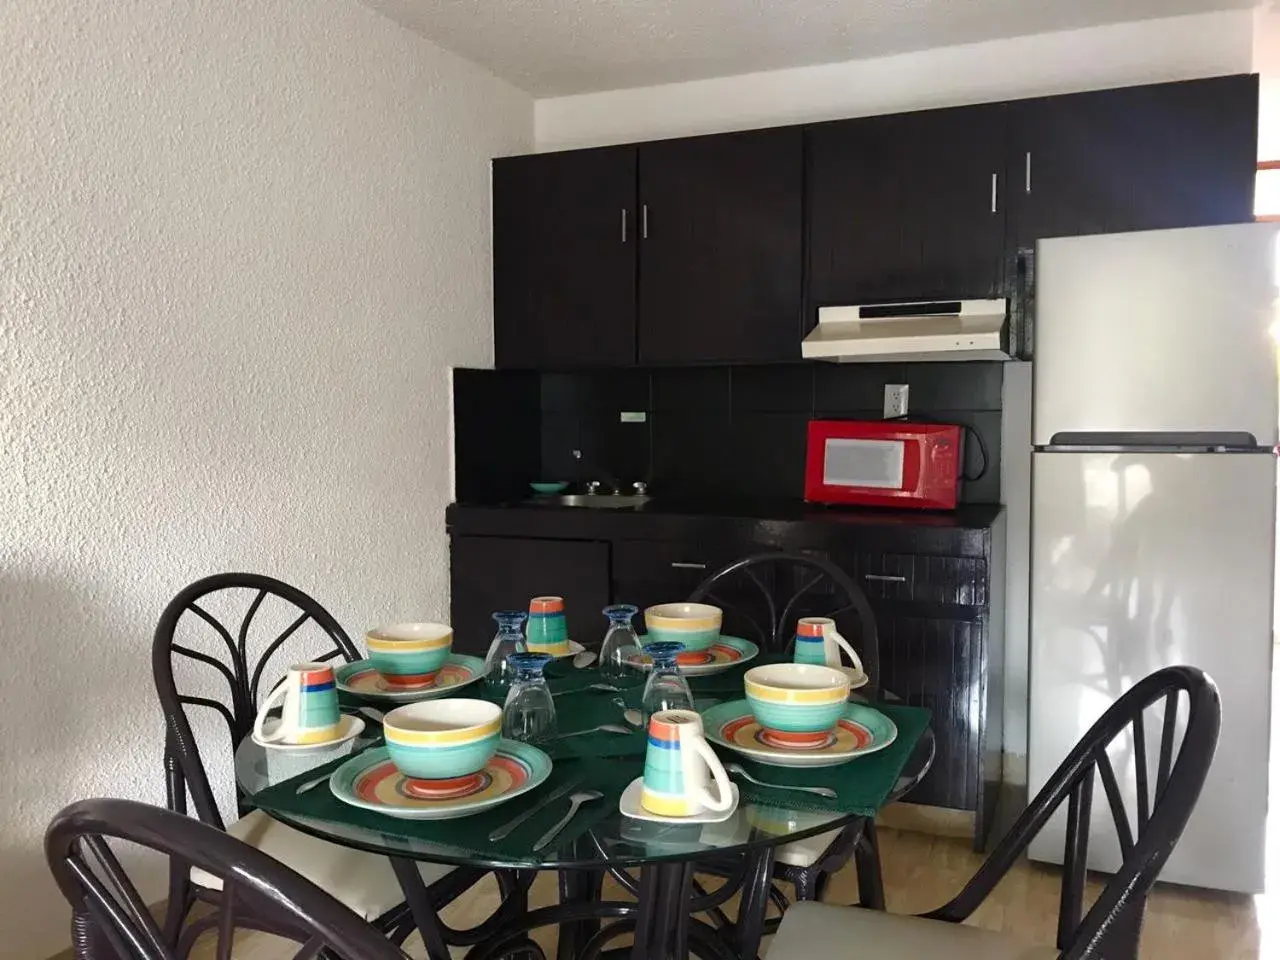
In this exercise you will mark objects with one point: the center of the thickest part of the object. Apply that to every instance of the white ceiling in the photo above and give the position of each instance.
(556, 47)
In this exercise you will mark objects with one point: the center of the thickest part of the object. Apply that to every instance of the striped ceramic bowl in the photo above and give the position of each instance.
(696, 625)
(443, 739)
(409, 655)
(796, 704)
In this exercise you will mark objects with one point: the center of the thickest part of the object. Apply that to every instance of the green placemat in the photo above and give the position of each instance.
(469, 834)
(862, 785)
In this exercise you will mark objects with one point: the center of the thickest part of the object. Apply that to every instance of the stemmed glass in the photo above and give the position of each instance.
(508, 640)
(620, 642)
(529, 713)
(666, 688)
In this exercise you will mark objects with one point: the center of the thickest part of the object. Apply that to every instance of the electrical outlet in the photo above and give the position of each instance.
(895, 400)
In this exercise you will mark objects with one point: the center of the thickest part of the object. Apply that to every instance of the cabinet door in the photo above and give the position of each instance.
(1137, 158)
(907, 207)
(940, 664)
(503, 573)
(720, 255)
(564, 259)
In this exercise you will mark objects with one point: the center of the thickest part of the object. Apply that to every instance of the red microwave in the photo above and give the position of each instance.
(883, 463)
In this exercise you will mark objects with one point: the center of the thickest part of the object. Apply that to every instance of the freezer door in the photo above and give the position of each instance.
(1141, 561)
(1159, 331)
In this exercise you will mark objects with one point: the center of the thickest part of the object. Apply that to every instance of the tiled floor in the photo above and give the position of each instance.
(921, 872)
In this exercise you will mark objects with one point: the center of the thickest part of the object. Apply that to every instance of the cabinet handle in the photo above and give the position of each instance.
(683, 565)
(993, 192)
(1027, 175)
(884, 577)
(644, 222)
(624, 224)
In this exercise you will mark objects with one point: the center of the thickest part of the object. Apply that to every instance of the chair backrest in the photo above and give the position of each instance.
(1147, 835)
(110, 918)
(237, 672)
(765, 594)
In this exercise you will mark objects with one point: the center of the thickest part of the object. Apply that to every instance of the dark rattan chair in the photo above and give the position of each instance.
(245, 603)
(763, 596)
(1146, 836)
(110, 920)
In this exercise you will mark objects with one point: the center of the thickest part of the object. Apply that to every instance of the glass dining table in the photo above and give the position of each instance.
(663, 866)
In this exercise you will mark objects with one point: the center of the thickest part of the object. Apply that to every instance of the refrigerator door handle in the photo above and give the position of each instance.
(1154, 440)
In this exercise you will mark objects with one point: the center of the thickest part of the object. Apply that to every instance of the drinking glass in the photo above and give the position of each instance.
(666, 688)
(508, 640)
(529, 713)
(620, 642)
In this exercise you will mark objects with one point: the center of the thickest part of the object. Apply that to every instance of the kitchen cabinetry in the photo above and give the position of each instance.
(933, 585)
(564, 261)
(1137, 158)
(721, 221)
(709, 253)
(487, 574)
(720, 248)
(907, 207)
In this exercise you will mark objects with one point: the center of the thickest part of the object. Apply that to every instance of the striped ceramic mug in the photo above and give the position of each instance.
(678, 768)
(309, 707)
(818, 641)
(546, 630)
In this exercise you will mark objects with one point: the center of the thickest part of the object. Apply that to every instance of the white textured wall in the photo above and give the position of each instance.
(1173, 48)
(240, 244)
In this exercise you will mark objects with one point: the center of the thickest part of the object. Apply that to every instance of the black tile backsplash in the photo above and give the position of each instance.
(735, 431)
(692, 388)
(496, 430)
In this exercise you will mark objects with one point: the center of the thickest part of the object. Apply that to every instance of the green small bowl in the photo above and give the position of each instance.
(548, 487)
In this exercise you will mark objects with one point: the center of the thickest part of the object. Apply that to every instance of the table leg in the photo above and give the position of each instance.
(578, 886)
(419, 901)
(866, 857)
(662, 921)
(754, 904)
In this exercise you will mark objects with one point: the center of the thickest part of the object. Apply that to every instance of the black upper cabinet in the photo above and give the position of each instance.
(906, 207)
(717, 249)
(720, 259)
(1137, 158)
(564, 261)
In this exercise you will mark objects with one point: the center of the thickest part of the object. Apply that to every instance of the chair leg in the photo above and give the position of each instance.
(806, 884)
(179, 903)
(866, 856)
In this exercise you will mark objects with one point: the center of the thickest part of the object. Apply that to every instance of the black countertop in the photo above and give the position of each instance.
(761, 520)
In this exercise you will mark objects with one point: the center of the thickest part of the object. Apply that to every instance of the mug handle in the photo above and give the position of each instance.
(854, 660)
(274, 696)
(716, 768)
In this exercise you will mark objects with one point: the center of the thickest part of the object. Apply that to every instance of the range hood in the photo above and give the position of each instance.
(932, 330)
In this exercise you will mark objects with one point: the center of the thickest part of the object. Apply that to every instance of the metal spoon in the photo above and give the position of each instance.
(738, 771)
(576, 800)
(377, 716)
(602, 728)
(629, 714)
(312, 784)
(598, 687)
(584, 659)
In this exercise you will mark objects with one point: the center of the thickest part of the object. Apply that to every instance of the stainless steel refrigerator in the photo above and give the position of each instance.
(1154, 514)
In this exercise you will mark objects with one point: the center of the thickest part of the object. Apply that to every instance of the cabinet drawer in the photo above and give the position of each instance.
(641, 560)
(923, 579)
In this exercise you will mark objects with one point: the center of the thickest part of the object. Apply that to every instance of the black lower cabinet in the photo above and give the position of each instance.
(930, 589)
(487, 574)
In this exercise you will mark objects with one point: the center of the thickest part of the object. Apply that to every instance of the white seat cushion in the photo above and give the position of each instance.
(819, 931)
(363, 881)
(805, 853)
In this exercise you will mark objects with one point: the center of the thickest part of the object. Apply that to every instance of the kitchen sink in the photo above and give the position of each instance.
(594, 501)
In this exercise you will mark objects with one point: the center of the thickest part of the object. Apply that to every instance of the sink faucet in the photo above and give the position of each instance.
(593, 486)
